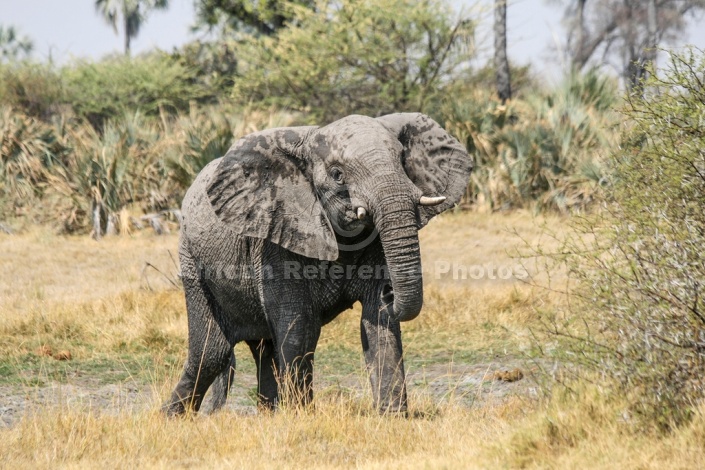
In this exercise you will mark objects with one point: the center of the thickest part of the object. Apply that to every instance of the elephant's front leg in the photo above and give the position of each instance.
(295, 344)
(295, 330)
(381, 343)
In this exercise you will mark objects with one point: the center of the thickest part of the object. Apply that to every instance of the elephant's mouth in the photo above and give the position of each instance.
(356, 218)
(352, 233)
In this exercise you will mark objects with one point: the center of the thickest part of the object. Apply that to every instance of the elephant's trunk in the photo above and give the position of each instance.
(395, 219)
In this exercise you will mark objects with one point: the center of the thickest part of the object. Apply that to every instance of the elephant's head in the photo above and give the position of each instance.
(314, 190)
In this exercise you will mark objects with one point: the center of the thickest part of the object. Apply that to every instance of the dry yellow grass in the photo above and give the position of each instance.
(91, 299)
(42, 267)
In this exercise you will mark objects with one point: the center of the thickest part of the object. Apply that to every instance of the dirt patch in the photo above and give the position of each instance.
(471, 385)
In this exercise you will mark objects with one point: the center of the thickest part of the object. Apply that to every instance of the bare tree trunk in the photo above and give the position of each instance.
(638, 69)
(501, 63)
(97, 232)
(579, 49)
(127, 35)
(653, 31)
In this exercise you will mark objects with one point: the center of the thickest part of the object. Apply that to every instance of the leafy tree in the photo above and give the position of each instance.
(262, 17)
(214, 63)
(13, 46)
(130, 13)
(372, 57)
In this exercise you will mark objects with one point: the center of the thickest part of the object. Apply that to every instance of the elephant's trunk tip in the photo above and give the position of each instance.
(406, 314)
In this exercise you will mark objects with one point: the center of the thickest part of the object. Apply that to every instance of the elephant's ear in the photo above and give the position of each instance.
(261, 189)
(433, 160)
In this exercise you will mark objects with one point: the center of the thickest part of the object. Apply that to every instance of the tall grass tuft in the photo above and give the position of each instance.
(107, 172)
(29, 151)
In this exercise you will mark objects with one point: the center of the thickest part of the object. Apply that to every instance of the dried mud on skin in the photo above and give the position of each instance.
(471, 385)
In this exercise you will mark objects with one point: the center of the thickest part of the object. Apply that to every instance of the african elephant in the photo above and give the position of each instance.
(294, 225)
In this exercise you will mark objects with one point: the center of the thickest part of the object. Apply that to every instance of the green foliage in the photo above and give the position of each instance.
(68, 172)
(637, 268)
(102, 90)
(208, 135)
(485, 78)
(205, 138)
(98, 91)
(373, 60)
(545, 149)
(213, 65)
(13, 46)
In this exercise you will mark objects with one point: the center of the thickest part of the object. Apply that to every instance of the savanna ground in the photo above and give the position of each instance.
(124, 327)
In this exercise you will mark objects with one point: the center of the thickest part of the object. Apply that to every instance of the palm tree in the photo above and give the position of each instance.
(13, 46)
(130, 13)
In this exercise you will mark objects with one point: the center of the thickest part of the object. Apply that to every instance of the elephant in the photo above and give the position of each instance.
(294, 225)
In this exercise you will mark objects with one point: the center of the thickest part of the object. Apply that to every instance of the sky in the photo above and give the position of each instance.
(63, 30)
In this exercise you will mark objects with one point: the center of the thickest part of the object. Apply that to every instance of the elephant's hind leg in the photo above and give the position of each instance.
(209, 351)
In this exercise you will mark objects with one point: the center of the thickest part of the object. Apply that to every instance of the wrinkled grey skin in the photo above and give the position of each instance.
(272, 248)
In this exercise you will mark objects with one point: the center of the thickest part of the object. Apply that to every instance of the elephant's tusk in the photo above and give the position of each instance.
(361, 213)
(431, 201)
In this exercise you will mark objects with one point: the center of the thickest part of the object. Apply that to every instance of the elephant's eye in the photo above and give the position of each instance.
(337, 174)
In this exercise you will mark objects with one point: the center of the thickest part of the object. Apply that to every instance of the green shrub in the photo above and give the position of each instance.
(72, 175)
(99, 91)
(213, 65)
(637, 268)
(205, 138)
(36, 90)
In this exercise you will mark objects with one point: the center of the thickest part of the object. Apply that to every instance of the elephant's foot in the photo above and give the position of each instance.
(184, 399)
(393, 406)
(174, 408)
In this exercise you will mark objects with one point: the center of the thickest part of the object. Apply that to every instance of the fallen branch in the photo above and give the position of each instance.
(155, 220)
